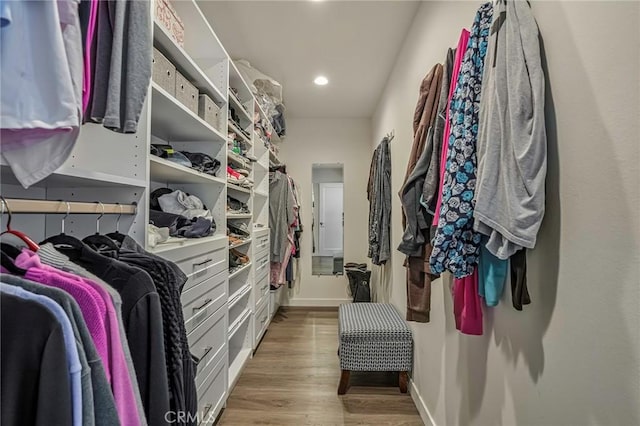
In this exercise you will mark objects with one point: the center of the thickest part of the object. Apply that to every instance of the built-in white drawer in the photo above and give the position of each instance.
(261, 266)
(261, 321)
(260, 244)
(261, 290)
(211, 348)
(203, 266)
(212, 393)
(201, 309)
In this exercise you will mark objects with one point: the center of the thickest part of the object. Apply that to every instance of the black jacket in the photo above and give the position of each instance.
(143, 325)
(35, 388)
(169, 281)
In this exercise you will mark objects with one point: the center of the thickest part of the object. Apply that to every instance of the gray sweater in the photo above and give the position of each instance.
(512, 142)
(123, 64)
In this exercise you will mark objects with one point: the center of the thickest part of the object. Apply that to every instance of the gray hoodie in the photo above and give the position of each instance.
(512, 141)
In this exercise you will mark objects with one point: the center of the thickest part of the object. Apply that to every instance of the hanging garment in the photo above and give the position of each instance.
(281, 215)
(467, 307)
(512, 142)
(123, 387)
(519, 291)
(122, 70)
(461, 50)
(98, 406)
(492, 275)
(431, 184)
(379, 196)
(36, 387)
(415, 220)
(456, 245)
(74, 368)
(138, 305)
(88, 12)
(169, 281)
(40, 119)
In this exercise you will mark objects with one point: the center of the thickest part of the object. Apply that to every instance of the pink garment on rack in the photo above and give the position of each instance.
(460, 51)
(91, 30)
(467, 306)
(115, 366)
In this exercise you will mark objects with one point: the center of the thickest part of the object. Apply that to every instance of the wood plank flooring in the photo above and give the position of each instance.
(293, 380)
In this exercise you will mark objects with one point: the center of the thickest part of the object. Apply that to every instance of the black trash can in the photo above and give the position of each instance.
(359, 284)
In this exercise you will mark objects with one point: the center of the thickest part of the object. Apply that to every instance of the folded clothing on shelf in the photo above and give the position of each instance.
(179, 202)
(167, 152)
(180, 226)
(203, 162)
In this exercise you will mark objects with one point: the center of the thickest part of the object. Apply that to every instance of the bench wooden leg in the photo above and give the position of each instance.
(404, 381)
(344, 382)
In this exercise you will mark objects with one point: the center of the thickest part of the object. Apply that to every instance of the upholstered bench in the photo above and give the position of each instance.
(373, 337)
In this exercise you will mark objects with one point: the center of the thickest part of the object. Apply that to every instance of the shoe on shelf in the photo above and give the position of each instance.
(241, 257)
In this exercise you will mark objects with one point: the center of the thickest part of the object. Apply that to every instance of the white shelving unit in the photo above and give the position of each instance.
(118, 168)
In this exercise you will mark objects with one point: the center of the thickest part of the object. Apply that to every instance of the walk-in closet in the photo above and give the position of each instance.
(319, 212)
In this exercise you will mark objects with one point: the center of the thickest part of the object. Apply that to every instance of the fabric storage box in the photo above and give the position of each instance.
(209, 111)
(167, 16)
(186, 93)
(164, 72)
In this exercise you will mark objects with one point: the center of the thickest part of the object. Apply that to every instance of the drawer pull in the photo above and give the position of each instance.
(264, 287)
(263, 320)
(204, 262)
(205, 303)
(206, 409)
(206, 352)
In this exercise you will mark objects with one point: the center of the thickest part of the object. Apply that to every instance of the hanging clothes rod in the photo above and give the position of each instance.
(17, 205)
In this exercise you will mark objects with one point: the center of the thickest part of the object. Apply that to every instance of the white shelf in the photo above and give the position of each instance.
(162, 170)
(235, 326)
(187, 242)
(72, 177)
(238, 295)
(238, 106)
(238, 132)
(260, 193)
(172, 121)
(238, 188)
(183, 62)
(274, 157)
(245, 242)
(235, 368)
(237, 159)
(240, 216)
(241, 270)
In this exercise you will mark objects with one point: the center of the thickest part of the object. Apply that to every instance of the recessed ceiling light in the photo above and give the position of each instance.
(321, 80)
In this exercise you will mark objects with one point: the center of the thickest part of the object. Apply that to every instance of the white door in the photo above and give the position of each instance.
(331, 218)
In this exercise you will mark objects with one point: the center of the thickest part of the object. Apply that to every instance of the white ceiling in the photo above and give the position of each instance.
(353, 43)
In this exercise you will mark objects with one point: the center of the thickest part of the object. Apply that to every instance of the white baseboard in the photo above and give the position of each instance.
(314, 302)
(425, 414)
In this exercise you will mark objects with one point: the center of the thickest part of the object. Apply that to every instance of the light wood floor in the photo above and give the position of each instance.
(293, 379)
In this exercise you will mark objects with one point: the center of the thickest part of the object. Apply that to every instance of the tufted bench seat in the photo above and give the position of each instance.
(373, 337)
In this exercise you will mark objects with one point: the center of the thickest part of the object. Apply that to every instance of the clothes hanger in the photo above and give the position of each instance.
(7, 263)
(117, 236)
(28, 241)
(97, 241)
(62, 240)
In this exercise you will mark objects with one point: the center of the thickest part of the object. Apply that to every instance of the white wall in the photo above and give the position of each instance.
(317, 141)
(573, 356)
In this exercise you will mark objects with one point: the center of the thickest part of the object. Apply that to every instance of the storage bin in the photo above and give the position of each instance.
(164, 72)
(209, 111)
(167, 16)
(186, 93)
